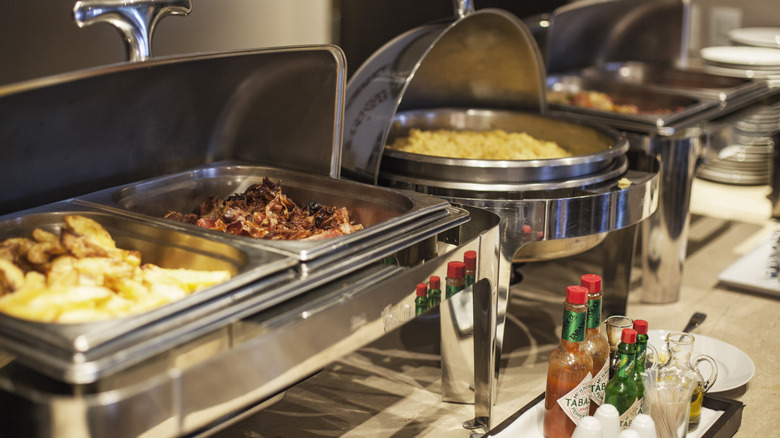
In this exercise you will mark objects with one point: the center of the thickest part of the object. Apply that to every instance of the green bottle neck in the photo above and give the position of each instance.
(626, 360)
(641, 352)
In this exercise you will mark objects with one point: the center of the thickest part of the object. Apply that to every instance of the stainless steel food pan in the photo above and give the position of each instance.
(594, 148)
(379, 210)
(688, 81)
(656, 108)
(166, 247)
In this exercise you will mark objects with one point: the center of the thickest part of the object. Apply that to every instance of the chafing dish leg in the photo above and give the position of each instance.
(618, 247)
(665, 233)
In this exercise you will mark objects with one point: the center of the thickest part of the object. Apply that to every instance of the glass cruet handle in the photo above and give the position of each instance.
(713, 374)
(135, 19)
(655, 358)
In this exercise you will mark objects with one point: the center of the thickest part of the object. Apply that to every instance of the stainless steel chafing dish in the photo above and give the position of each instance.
(483, 70)
(630, 49)
(197, 126)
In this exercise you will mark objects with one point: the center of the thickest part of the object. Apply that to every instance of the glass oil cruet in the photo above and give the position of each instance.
(679, 346)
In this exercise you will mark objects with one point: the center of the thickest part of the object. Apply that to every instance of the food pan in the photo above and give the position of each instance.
(379, 210)
(687, 81)
(656, 108)
(594, 148)
(163, 246)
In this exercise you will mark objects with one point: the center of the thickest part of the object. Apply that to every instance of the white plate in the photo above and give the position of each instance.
(742, 56)
(756, 36)
(735, 368)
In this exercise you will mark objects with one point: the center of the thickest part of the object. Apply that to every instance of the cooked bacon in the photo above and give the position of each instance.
(264, 212)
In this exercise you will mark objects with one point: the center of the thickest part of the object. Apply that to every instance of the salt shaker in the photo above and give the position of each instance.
(589, 427)
(609, 418)
(644, 425)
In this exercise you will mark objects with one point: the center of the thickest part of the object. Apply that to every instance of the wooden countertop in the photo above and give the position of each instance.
(391, 388)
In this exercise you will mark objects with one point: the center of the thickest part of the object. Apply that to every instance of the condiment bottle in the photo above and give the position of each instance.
(621, 390)
(595, 343)
(456, 278)
(640, 325)
(421, 300)
(434, 291)
(470, 260)
(567, 395)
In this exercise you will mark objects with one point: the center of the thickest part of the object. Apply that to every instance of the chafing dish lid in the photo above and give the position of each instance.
(482, 59)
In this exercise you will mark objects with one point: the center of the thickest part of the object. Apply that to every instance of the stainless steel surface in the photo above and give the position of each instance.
(68, 351)
(657, 108)
(379, 210)
(248, 357)
(594, 149)
(135, 20)
(485, 59)
(176, 113)
(696, 319)
(693, 81)
(593, 33)
(542, 218)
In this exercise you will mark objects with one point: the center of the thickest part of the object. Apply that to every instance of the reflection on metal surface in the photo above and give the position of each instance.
(135, 20)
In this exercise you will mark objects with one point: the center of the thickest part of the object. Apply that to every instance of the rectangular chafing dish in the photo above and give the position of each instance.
(688, 81)
(58, 348)
(656, 108)
(267, 272)
(382, 212)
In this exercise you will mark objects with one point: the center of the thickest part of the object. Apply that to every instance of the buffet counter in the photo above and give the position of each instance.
(392, 387)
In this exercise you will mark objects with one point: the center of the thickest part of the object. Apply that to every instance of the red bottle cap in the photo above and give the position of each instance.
(576, 295)
(628, 336)
(470, 259)
(435, 282)
(422, 290)
(592, 282)
(456, 269)
(640, 325)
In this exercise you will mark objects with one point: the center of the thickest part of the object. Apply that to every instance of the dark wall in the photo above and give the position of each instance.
(366, 25)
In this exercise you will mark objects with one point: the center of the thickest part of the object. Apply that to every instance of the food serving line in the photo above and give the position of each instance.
(211, 124)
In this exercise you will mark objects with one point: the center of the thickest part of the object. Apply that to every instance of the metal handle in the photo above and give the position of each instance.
(463, 7)
(135, 19)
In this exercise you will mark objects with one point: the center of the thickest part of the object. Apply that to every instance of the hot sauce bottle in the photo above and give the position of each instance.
(455, 281)
(640, 325)
(434, 291)
(421, 299)
(567, 396)
(470, 260)
(621, 390)
(595, 343)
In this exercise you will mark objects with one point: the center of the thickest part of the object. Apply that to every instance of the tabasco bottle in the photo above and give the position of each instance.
(421, 299)
(456, 278)
(470, 260)
(567, 396)
(621, 390)
(640, 325)
(595, 343)
(434, 291)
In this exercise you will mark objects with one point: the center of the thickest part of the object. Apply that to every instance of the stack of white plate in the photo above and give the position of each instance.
(748, 159)
(756, 53)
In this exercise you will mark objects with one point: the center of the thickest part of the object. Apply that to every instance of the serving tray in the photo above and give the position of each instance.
(727, 415)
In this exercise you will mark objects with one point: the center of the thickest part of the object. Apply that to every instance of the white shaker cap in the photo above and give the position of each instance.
(609, 417)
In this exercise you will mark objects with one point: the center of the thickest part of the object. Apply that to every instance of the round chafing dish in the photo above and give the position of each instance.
(598, 153)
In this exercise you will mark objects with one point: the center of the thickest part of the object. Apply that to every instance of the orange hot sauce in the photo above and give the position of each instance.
(569, 371)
